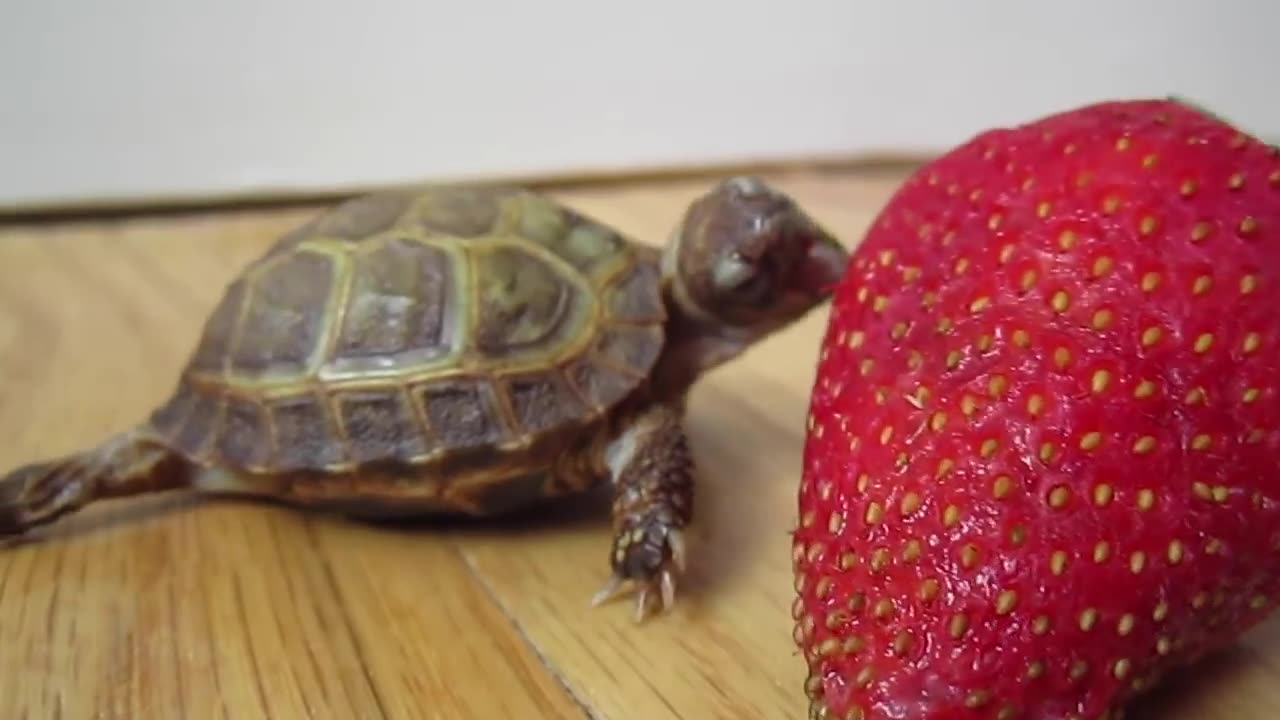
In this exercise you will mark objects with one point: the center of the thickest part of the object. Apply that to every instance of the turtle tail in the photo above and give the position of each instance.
(129, 463)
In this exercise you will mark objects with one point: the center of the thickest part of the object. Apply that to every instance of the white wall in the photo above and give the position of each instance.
(121, 98)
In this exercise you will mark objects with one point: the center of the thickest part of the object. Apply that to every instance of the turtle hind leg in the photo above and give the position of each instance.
(124, 465)
(653, 481)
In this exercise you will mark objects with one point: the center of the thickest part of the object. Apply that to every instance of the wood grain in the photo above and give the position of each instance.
(170, 607)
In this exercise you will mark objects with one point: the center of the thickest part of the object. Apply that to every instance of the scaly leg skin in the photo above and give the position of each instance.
(653, 475)
(126, 464)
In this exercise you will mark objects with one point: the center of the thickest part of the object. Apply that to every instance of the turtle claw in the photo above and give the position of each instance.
(666, 590)
(651, 581)
(612, 589)
(642, 605)
(675, 542)
(664, 587)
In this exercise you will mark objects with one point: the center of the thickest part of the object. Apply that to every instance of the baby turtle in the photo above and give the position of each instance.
(465, 349)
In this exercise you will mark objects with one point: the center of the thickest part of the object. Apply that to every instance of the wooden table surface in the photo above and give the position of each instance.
(170, 607)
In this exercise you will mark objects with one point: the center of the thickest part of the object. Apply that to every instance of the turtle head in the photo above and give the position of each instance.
(747, 258)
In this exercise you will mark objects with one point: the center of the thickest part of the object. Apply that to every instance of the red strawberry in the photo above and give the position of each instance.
(1042, 464)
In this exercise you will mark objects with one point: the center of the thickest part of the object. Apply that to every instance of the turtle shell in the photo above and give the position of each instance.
(476, 331)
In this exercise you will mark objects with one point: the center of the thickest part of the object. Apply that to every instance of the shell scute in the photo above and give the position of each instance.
(599, 383)
(587, 246)
(460, 211)
(382, 425)
(199, 424)
(637, 297)
(219, 329)
(305, 437)
(244, 435)
(352, 220)
(543, 401)
(534, 218)
(400, 302)
(630, 349)
(523, 303)
(169, 418)
(362, 217)
(285, 317)
(463, 412)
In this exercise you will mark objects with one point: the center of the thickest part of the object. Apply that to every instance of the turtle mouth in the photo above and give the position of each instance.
(821, 268)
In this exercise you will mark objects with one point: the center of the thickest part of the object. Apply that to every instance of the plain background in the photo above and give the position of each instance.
(129, 99)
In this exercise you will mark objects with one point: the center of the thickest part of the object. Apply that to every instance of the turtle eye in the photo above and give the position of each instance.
(732, 272)
(744, 280)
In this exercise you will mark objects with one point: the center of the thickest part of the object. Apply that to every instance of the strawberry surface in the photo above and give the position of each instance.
(1041, 463)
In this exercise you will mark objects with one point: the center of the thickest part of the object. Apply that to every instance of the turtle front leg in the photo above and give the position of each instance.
(652, 473)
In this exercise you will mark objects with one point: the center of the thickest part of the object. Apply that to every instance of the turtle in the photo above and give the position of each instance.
(465, 349)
